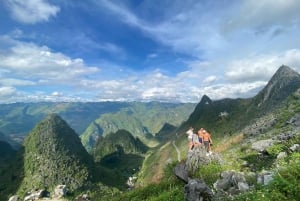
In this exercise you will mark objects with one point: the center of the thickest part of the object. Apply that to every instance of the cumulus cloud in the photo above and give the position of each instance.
(261, 67)
(7, 91)
(31, 61)
(31, 11)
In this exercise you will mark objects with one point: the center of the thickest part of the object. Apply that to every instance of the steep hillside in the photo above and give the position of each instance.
(227, 117)
(142, 120)
(53, 155)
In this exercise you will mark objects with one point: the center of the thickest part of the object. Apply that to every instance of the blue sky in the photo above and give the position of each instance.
(151, 50)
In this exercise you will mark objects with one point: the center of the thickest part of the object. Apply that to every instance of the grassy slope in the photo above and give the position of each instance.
(284, 187)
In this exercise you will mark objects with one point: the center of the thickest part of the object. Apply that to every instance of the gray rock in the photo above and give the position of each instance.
(197, 190)
(281, 155)
(295, 120)
(262, 145)
(295, 148)
(231, 182)
(13, 198)
(181, 171)
(60, 190)
(199, 157)
(243, 186)
(264, 177)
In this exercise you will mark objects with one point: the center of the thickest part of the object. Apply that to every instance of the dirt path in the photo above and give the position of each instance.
(177, 150)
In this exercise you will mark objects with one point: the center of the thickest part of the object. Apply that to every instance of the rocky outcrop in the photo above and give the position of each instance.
(182, 172)
(262, 145)
(60, 190)
(264, 177)
(14, 198)
(295, 148)
(197, 190)
(232, 183)
(199, 157)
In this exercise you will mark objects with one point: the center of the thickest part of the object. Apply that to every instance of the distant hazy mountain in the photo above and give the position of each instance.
(53, 155)
(93, 119)
(142, 120)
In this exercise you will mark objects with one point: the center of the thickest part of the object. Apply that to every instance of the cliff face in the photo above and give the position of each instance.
(283, 83)
(53, 155)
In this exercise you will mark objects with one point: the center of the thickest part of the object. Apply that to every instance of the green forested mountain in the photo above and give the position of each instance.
(142, 120)
(53, 155)
(19, 118)
(235, 125)
(121, 142)
(94, 119)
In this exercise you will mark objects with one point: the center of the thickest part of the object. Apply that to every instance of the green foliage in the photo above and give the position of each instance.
(275, 149)
(284, 187)
(209, 173)
(54, 155)
(164, 191)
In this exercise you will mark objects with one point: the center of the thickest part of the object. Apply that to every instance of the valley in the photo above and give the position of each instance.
(258, 137)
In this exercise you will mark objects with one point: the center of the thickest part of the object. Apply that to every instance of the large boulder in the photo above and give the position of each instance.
(232, 183)
(14, 198)
(181, 171)
(199, 157)
(197, 190)
(60, 190)
(262, 145)
(264, 177)
(295, 148)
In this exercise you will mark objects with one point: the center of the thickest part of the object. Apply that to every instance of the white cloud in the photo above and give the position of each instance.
(32, 11)
(261, 67)
(39, 62)
(265, 14)
(210, 79)
(7, 91)
(15, 82)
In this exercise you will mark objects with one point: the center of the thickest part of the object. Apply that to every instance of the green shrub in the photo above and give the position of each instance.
(209, 173)
(284, 187)
(275, 149)
(165, 191)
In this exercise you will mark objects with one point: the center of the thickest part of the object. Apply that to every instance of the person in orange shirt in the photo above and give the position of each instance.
(200, 133)
(207, 141)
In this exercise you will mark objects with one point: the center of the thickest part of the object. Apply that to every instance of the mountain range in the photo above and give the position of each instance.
(92, 120)
(52, 153)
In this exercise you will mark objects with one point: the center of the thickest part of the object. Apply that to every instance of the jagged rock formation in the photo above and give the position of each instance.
(197, 190)
(283, 83)
(232, 183)
(53, 155)
(199, 157)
